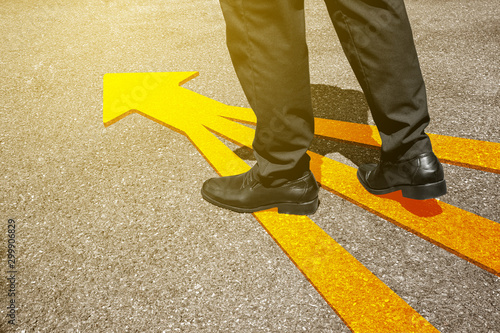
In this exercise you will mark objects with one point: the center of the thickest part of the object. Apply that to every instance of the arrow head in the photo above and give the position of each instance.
(125, 93)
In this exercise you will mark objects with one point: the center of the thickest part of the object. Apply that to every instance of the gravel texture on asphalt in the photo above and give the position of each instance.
(112, 234)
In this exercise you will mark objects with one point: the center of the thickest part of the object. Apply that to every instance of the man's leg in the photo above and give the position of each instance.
(267, 44)
(377, 39)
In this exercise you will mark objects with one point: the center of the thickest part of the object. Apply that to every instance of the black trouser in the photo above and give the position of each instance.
(266, 41)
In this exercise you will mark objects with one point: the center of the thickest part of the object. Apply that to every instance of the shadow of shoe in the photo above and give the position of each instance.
(420, 208)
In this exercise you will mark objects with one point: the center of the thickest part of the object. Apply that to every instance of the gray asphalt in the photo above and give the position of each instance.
(112, 234)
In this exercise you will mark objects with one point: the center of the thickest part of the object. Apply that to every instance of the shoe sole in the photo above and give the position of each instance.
(417, 192)
(293, 208)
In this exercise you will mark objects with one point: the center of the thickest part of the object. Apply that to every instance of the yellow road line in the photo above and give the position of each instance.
(160, 98)
(363, 301)
(224, 161)
(475, 154)
(465, 234)
(359, 297)
(232, 131)
(354, 293)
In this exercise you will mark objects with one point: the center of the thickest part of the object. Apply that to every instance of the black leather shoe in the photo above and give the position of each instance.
(418, 178)
(244, 193)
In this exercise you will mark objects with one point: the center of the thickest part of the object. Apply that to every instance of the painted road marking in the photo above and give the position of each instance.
(474, 154)
(462, 233)
(360, 298)
(467, 235)
(353, 292)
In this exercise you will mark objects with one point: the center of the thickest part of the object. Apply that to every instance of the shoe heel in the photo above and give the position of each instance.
(306, 208)
(423, 192)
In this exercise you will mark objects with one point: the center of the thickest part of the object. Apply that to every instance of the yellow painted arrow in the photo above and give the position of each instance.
(467, 235)
(360, 299)
(474, 154)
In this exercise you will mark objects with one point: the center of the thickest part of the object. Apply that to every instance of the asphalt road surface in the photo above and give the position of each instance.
(111, 232)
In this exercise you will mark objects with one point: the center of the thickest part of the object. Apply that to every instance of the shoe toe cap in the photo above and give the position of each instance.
(211, 187)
